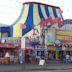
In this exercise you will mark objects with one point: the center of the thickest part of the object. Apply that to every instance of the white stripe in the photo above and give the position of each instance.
(51, 12)
(43, 11)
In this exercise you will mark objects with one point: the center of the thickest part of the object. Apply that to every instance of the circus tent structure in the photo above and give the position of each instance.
(31, 15)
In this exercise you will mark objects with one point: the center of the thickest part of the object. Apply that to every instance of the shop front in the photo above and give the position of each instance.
(8, 53)
(67, 49)
(9, 50)
(49, 52)
(54, 52)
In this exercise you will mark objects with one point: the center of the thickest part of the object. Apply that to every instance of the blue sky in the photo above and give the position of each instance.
(10, 9)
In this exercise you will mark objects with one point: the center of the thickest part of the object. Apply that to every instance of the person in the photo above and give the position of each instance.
(11, 58)
(46, 57)
(20, 57)
(38, 58)
(67, 58)
(27, 56)
(61, 58)
(71, 58)
(7, 57)
(51, 56)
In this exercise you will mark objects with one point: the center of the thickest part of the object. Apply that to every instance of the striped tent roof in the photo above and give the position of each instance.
(32, 13)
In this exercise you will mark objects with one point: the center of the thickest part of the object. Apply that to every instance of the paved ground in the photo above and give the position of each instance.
(52, 71)
(34, 68)
(50, 67)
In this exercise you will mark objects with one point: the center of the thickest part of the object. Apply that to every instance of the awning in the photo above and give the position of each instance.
(2, 45)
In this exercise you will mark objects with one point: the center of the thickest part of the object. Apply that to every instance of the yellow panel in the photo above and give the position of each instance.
(36, 14)
(25, 14)
(61, 32)
(62, 37)
(51, 12)
(17, 31)
(43, 11)
(66, 37)
(59, 37)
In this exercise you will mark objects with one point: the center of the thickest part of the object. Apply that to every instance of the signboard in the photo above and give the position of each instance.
(13, 40)
(64, 35)
(64, 32)
(41, 62)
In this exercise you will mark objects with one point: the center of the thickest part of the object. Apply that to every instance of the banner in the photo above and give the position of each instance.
(64, 35)
(14, 40)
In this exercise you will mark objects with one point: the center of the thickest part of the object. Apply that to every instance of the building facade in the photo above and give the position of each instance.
(34, 14)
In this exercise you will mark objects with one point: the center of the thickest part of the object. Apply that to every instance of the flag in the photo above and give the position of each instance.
(22, 26)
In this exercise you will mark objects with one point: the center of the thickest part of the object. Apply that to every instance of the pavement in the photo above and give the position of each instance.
(48, 67)
(35, 67)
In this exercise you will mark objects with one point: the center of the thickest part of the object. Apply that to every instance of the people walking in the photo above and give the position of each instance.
(71, 58)
(20, 57)
(67, 58)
